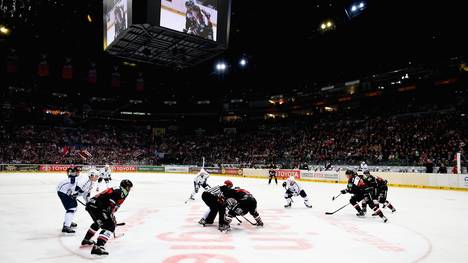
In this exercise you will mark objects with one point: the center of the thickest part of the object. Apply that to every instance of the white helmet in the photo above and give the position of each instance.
(93, 172)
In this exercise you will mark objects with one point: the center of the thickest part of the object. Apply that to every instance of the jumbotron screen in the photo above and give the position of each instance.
(195, 17)
(117, 18)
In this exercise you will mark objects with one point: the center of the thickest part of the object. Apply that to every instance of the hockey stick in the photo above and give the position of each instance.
(331, 213)
(240, 222)
(333, 199)
(254, 224)
(80, 202)
(186, 201)
(203, 162)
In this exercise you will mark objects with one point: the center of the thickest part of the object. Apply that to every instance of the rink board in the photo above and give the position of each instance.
(429, 226)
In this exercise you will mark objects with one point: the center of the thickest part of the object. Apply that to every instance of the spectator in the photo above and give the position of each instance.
(442, 169)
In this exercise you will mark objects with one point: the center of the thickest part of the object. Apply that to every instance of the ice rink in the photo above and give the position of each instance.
(429, 225)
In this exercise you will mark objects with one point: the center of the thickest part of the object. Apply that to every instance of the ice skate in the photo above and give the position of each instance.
(99, 250)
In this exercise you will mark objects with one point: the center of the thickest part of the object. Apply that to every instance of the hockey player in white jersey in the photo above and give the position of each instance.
(104, 178)
(200, 180)
(68, 190)
(294, 189)
(363, 167)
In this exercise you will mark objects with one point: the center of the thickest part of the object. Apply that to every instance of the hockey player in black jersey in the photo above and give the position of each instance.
(215, 200)
(101, 208)
(381, 190)
(240, 202)
(272, 173)
(370, 190)
(358, 188)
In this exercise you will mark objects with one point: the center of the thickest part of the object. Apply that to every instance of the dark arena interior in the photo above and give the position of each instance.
(321, 95)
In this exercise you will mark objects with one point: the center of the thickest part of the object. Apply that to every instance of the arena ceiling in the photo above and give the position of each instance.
(283, 41)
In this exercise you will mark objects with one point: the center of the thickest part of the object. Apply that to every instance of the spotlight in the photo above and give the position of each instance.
(4, 30)
(243, 62)
(221, 66)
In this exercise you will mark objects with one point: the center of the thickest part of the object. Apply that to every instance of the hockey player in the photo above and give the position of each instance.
(239, 203)
(200, 180)
(370, 189)
(272, 173)
(101, 208)
(294, 189)
(214, 199)
(73, 171)
(357, 187)
(363, 166)
(104, 175)
(68, 190)
(382, 189)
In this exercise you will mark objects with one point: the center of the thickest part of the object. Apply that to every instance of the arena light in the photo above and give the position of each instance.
(90, 20)
(355, 9)
(243, 62)
(4, 30)
(327, 25)
(221, 66)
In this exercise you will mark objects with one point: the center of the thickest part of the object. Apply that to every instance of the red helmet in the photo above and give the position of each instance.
(228, 183)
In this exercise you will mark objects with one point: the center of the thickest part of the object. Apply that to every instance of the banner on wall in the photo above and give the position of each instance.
(19, 168)
(463, 180)
(325, 175)
(150, 169)
(176, 169)
(53, 167)
(232, 171)
(124, 168)
(284, 174)
(211, 170)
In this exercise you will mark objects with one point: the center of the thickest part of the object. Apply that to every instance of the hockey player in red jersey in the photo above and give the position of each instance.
(240, 202)
(381, 190)
(358, 188)
(101, 208)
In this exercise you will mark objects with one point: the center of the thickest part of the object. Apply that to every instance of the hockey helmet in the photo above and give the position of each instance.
(228, 183)
(126, 184)
(94, 173)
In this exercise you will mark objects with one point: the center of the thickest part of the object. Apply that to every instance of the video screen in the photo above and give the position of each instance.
(115, 19)
(195, 17)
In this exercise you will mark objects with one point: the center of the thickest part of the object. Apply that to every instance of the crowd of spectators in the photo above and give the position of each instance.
(45, 144)
(409, 140)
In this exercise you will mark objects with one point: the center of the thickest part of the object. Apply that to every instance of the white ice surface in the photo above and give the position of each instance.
(429, 225)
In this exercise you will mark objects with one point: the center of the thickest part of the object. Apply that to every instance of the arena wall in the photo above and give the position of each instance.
(414, 180)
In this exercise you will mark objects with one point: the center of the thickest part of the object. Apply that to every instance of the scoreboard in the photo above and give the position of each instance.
(202, 20)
